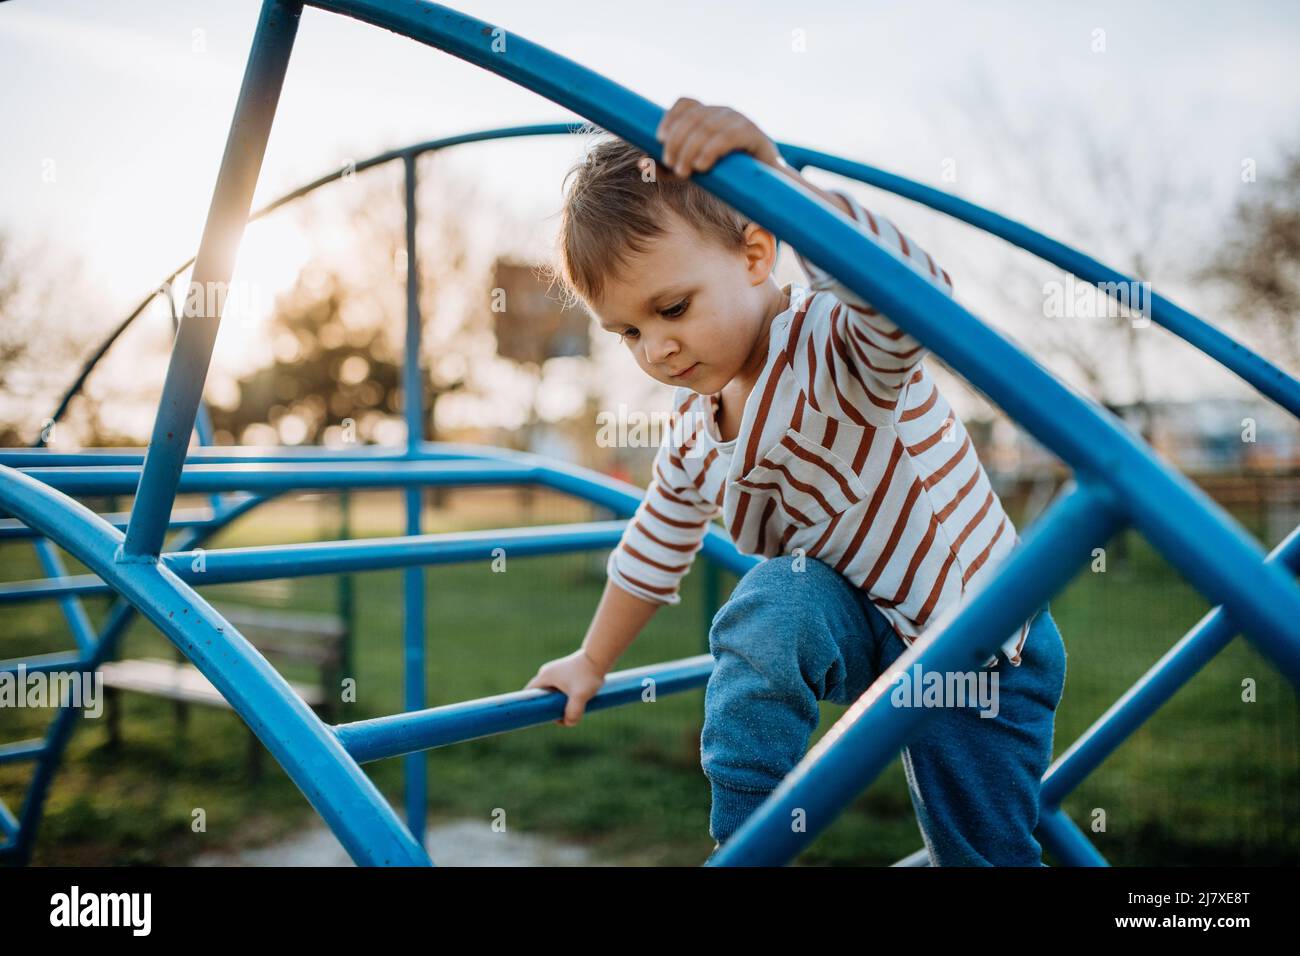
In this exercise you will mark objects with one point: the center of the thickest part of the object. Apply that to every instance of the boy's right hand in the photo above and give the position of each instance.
(577, 676)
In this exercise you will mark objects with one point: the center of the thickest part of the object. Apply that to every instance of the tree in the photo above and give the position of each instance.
(1258, 261)
(1130, 209)
(37, 289)
(337, 337)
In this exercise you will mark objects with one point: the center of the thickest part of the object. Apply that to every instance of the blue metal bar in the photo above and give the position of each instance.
(186, 518)
(415, 694)
(920, 857)
(73, 611)
(251, 454)
(312, 756)
(412, 380)
(415, 150)
(105, 648)
(368, 554)
(21, 750)
(203, 420)
(590, 485)
(413, 678)
(872, 731)
(58, 735)
(24, 458)
(1059, 834)
(89, 365)
(14, 592)
(1165, 678)
(265, 562)
(518, 468)
(42, 663)
(221, 566)
(21, 592)
(392, 736)
(8, 822)
(227, 216)
(203, 425)
(721, 550)
(1252, 368)
(123, 479)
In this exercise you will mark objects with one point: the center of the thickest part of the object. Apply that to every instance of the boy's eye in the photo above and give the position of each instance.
(672, 312)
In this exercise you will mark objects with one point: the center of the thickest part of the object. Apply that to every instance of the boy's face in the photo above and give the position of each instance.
(692, 307)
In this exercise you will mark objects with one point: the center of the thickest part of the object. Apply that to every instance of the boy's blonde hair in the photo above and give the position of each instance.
(618, 204)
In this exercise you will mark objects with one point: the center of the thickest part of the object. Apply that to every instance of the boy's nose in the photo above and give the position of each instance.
(661, 353)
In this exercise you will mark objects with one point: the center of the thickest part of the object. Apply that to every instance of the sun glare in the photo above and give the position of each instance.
(273, 252)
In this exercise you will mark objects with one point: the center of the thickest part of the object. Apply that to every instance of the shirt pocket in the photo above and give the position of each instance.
(809, 482)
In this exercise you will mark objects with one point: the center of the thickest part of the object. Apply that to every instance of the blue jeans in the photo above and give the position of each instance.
(788, 638)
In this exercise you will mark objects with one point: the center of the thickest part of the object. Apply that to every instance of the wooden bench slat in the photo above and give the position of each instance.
(306, 636)
(306, 623)
(272, 645)
(176, 681)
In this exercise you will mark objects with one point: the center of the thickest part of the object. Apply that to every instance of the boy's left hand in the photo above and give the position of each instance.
(696, 136)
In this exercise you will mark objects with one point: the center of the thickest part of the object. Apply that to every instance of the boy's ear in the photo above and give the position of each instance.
(760, 248)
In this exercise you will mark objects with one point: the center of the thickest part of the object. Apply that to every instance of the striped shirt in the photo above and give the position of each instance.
(847, 453)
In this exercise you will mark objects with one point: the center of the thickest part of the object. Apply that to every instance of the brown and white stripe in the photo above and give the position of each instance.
(847, 450)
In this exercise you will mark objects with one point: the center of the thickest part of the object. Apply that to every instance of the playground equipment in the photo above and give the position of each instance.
(1117, 482)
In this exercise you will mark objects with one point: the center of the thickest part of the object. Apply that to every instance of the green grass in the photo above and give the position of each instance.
(1210, 779)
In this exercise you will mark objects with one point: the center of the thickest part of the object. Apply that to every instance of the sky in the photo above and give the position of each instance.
(115, 112)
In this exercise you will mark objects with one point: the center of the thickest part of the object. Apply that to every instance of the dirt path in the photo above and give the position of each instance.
(459, 843)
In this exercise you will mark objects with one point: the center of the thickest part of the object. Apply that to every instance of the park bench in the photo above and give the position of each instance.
(284, 636)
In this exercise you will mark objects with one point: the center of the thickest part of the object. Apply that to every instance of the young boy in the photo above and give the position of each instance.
(809, 421)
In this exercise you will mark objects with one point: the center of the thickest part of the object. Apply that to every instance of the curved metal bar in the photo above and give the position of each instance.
(89, 365)
(104, 647)
(312, 756)
(1251, 367)
(417, 149)
(1248, 365)
(1194, 533)
(589, 485)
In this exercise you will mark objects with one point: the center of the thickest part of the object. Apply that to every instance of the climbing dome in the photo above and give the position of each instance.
(1118, 482)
